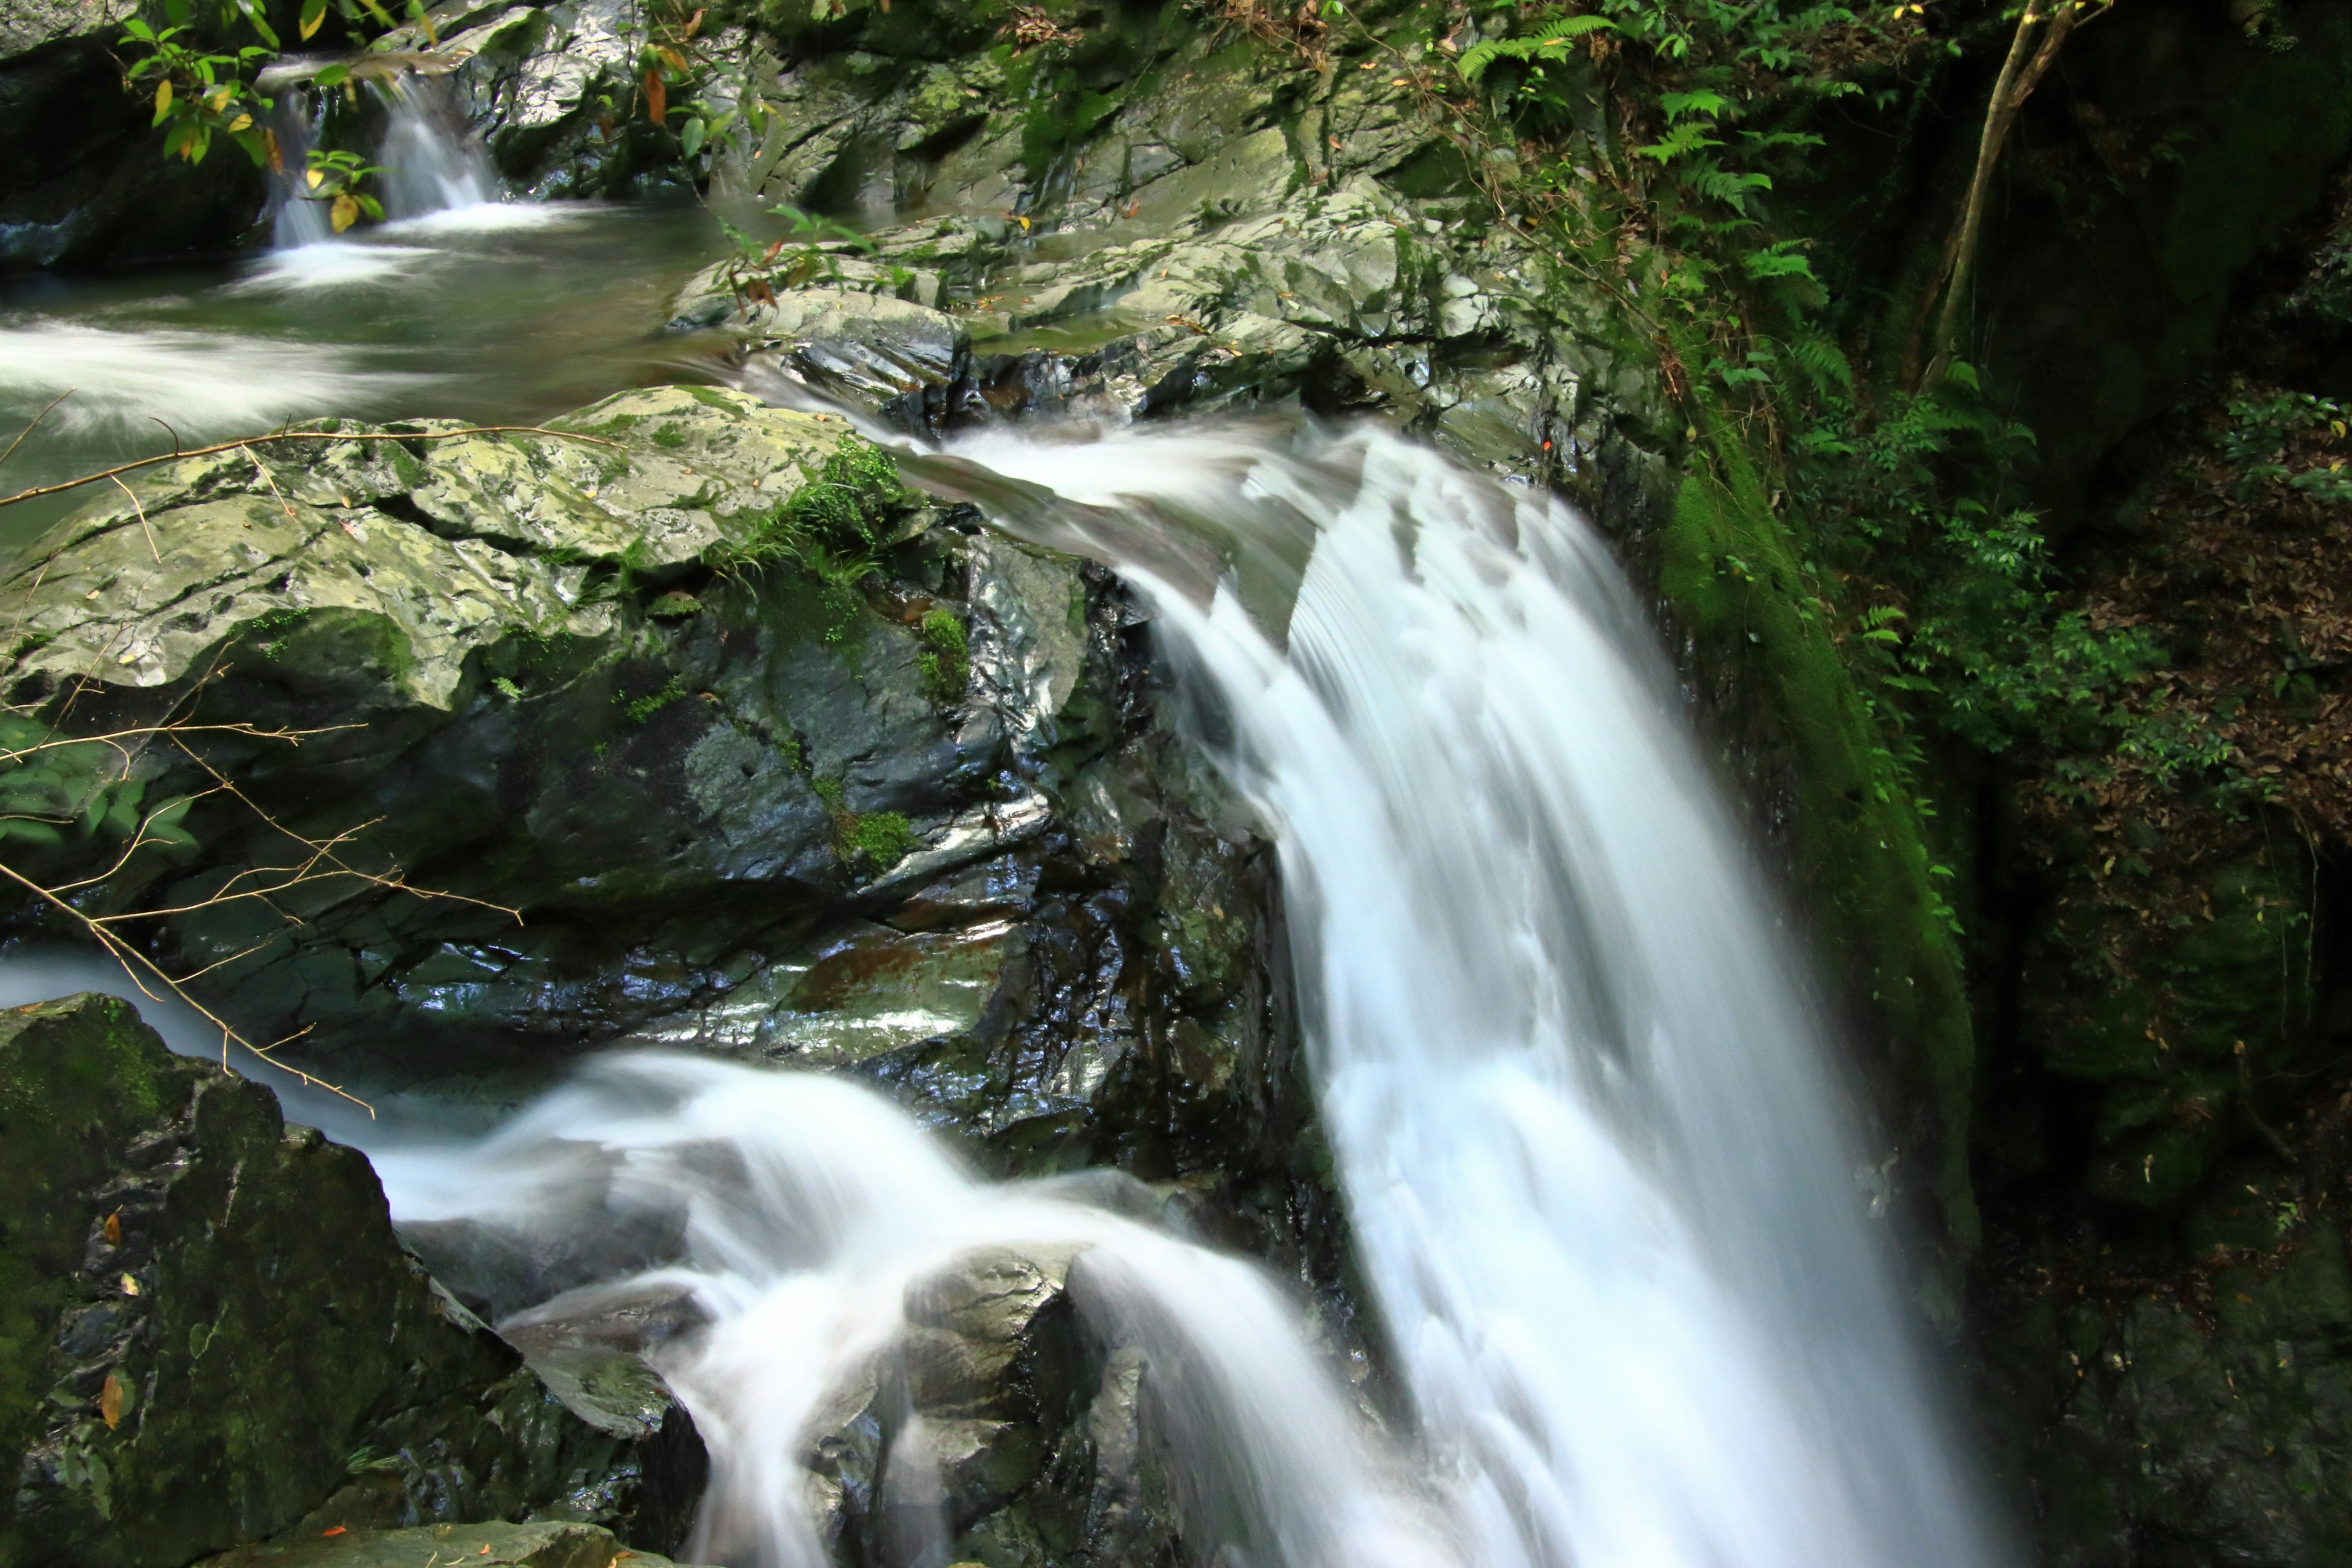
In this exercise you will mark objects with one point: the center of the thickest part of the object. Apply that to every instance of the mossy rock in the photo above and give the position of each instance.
(212, 1334)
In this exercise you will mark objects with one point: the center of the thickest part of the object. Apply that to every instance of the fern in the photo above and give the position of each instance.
(1548, 44)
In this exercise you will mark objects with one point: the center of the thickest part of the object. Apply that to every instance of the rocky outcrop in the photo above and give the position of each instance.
(432, 1546)
(210, 1333)
(715, 737)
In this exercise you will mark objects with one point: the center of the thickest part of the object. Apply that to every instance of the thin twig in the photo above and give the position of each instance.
(307, 435)
(141, 511)
(258, 468)
(27, 430)
(126, 954)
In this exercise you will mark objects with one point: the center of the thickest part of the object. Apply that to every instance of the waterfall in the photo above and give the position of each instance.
(1583, 1114)
(808, 1206)
(1580, 1109)
(433, 162)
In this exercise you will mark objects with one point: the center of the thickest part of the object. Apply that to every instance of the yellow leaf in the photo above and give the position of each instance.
(162, 98)
(110, 1401)
(242, 122)
(219, 100)
(114, 1229)
(343, 214)
(130, 1286)
(310, 25)
(316, 177)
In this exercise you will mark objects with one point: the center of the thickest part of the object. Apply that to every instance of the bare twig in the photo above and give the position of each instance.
(27, 430)
(258, 468)
(143, 527)
(133, 961)
(64, 485)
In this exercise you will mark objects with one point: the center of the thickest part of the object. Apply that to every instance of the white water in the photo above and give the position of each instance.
(811, 1205)
(1580, 1107)
(436, 179)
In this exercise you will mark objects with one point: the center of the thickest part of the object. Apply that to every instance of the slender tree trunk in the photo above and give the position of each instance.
(2041, 30)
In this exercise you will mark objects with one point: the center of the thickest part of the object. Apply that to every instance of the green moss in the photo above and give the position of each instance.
(881, 837)
(946, 661)
(669, 437)
(1731, 571)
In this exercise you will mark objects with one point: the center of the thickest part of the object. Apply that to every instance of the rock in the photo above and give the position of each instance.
(212, 1335)
(435, 1546)
(1000, 1419)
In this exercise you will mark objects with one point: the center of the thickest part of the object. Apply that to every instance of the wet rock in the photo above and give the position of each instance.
(213, 1336)
(431, 1546)
(998, 1428)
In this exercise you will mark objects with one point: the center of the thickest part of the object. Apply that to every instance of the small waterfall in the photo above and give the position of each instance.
(808, 1206)
(295, 222)
(1580, 1108)
(432, 161)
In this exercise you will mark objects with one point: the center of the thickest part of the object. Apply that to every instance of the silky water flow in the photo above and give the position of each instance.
(1580, 1111)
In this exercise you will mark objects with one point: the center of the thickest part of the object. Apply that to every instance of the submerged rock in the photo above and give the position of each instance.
(212, 1334)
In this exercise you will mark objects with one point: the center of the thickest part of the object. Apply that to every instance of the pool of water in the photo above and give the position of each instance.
(498, 312)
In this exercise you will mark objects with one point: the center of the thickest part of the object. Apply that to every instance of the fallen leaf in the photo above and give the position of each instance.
(110, 1401)
(337, 1530)
(114, 1229)
(130, 1286)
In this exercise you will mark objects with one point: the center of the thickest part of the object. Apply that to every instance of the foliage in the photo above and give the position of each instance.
(201, 91)
(946, 660)
(337, 178)
(809, 253)
(833, 528)
(204, 87)
(2259, 432)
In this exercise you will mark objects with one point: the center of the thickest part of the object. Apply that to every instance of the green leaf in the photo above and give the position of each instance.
(689, 136)
(1678, 104)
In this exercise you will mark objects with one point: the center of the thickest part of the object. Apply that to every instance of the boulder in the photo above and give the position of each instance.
(438, 1545)
(212, 1335)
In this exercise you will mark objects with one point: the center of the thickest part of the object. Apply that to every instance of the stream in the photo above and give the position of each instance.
(1580, 1104)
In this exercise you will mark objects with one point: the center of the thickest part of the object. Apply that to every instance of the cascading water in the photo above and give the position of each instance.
(809, 1205)
(1580, 1111)
(432, 161)
(433, 164)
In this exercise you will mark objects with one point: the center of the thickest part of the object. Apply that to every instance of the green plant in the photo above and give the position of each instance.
(337, 179)
(202, 92)
(638, 709)
(806, 254)
(946, 661)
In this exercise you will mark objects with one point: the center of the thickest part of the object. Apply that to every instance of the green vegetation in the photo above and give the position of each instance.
(638, 709)
(832, 529)
(946, 662)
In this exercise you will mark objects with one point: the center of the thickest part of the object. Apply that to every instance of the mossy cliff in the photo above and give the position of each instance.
(208, 1332)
